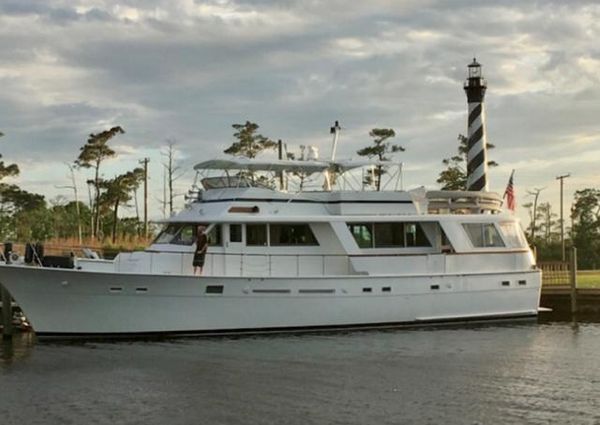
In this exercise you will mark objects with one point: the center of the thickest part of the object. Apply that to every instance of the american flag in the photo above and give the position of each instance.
(509, 193)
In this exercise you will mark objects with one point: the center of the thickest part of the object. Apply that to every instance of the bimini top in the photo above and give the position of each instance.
(279, 165)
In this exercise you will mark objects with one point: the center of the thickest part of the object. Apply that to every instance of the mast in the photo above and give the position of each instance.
(335, 130)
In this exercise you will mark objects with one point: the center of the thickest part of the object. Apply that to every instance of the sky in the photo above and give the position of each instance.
(185, 71)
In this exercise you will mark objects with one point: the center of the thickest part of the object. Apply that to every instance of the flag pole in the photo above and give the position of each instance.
(509, 179)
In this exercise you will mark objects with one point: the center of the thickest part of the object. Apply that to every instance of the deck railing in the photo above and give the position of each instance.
(243, 264)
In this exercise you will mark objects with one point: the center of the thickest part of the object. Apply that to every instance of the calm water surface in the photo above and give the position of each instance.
(525, 373)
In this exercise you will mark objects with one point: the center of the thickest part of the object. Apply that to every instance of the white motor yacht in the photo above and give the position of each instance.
(280, 260)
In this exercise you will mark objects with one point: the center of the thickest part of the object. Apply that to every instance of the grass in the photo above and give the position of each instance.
(588, 279)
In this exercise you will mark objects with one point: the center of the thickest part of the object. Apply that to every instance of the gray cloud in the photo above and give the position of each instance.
(189, 70)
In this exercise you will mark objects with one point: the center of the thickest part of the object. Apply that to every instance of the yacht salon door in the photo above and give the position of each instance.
(234, 248)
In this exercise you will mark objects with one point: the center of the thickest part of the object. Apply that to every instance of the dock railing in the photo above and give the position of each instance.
(561, 275)
(555, 272)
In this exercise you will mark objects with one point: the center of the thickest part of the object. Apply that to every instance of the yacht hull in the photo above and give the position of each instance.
(61, 302)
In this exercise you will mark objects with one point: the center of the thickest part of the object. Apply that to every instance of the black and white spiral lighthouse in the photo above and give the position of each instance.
(475, 87)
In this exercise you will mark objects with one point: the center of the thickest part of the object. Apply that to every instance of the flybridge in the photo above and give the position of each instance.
(335, 173)
(291, 166)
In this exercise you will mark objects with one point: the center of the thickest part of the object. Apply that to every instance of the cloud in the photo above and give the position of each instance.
(188, 69)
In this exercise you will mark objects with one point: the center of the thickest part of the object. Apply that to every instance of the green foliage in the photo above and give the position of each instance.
(64, 218)
(118, 191)
(96, 149)
(454, 177)
(585, 232)
(7, 170)
(14, 199)
(249, 144)
(91, 155)
(380, 149)
(34, 225)
(7, 226)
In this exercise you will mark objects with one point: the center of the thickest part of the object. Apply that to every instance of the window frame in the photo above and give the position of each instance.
(373, 233)
(313, 242)
(484, 225)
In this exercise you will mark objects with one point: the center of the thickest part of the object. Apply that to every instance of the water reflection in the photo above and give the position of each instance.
(16, 348)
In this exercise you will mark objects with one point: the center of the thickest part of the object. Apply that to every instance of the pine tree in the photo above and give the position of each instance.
(92, 154)
(380, 149)
(454, 177)
(118, 191)
(249, 144)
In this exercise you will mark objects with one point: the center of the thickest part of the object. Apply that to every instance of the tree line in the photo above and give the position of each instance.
(28, 216)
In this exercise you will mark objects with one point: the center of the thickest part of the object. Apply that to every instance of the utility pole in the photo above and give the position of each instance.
(280, 156)
(145, 162)
(562, 223)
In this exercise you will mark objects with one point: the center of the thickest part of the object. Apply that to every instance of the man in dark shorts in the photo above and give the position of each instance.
(200, 252)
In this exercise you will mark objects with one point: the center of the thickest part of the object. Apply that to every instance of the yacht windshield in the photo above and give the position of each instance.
(167, 234)
(185, 234)
(513, 234)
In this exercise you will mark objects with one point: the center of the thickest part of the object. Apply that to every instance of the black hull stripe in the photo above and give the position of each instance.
(304, 201)
(284, 330)
(474, 114)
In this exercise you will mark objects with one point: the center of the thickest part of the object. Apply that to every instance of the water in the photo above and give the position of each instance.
(521, 373)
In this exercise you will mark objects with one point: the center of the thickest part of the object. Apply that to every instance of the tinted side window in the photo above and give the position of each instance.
(256, 234)
(415, 235)
(389, 235)
(235, 233)
(292, 234)
(362, 233)
(214, 236)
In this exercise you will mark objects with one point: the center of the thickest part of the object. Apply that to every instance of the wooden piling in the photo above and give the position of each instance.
(573, 280)
(6, 313)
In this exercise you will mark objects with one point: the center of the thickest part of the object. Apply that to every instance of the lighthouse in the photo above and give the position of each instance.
(475, 87)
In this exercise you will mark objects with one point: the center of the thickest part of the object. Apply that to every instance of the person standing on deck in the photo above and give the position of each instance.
(200, 252)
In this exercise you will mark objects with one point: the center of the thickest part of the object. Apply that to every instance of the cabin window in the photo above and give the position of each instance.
(185, 236)
(363, 234)
(256, 234)
(292, 234)
(483, 235)
(513, 235)
(235, 233)
(415, 235)
(389, 235)
(167, 234)
(214, 236)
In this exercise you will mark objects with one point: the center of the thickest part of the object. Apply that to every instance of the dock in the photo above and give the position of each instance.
(558, 298)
